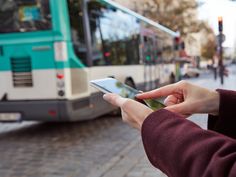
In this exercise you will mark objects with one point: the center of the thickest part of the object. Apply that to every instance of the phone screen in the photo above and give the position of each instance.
(110, 85)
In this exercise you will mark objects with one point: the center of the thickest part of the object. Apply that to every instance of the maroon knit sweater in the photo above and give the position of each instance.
(181, 148)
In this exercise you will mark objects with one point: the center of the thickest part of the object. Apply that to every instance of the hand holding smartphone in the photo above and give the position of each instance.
(110, 85)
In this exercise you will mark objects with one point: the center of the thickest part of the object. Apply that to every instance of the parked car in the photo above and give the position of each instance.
(188, 71)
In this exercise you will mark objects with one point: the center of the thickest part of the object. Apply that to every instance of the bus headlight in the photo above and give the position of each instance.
(60, 84)
(60, 51)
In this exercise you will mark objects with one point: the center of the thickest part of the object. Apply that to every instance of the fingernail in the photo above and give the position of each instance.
(105, 96)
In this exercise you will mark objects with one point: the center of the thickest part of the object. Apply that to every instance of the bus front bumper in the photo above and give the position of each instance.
(44, 110)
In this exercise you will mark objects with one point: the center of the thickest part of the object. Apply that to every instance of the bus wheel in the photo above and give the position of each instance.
(172, 78)
(130, 82)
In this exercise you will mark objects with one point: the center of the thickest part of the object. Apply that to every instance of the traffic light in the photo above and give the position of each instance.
(176, 43)
(220, 23)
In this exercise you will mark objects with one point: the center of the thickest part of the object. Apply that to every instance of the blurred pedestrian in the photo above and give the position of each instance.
(177, 146)
(215, 65)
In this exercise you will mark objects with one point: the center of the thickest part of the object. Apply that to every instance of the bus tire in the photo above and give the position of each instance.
(172, 78)
(130, 82)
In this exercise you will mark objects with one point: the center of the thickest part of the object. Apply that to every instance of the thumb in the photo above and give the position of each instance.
(114, 99)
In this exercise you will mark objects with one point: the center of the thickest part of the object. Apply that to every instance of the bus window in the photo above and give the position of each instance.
(148, 50)
(24, 16)
(114, 33)
(132, 49)
(77, 30)
(96, 35)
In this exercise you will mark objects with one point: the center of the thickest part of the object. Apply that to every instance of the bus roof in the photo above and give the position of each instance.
(151, 22)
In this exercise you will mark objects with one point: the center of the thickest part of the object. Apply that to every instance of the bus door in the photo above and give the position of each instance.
(149, 50)
(99, 51)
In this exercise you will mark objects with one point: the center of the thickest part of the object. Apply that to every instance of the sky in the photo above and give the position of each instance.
(212, 9)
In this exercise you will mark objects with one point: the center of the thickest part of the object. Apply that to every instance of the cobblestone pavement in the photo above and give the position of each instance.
(70, 150)
(104, 147)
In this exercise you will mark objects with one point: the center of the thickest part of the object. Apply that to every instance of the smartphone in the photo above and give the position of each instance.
(111, 85)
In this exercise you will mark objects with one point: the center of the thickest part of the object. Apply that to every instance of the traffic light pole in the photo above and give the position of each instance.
(221, 64)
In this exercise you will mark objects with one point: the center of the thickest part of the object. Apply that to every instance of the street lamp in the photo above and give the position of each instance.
(220, 23)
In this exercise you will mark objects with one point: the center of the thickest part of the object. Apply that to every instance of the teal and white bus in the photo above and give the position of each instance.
(50, 49)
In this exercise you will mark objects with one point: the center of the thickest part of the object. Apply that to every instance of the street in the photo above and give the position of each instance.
(104, 147)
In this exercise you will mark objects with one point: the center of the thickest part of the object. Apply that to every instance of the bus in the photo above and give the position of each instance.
(50, 50)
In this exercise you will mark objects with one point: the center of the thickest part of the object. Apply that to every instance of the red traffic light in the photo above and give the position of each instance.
(176, 43)
(177, 40)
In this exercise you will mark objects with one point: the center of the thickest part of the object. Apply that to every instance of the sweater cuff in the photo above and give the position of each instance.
(226, 121)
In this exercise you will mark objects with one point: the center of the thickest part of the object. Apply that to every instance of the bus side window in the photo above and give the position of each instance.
(115, 40)
(96, 36)
(24, 16)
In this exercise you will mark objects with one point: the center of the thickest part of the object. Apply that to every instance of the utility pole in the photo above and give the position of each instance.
(221, 39)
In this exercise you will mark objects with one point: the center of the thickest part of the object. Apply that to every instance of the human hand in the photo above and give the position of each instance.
(186, 99)
(133, 112)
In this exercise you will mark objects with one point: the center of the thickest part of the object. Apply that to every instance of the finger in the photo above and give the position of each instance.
(161, 92)
(114, 99)
(131, 105)
(171, 100)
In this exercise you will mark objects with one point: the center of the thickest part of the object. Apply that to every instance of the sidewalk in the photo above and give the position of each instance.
(131, 162)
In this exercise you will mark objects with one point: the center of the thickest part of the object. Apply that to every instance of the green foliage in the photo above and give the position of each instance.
(181, 16)
(208, 49)
(178, 15)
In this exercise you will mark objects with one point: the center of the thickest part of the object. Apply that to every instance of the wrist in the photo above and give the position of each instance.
(146, 113)
(214, 103)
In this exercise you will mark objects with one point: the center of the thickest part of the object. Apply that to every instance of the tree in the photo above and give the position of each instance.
(181, 16)
(208, 49)
(178, 15)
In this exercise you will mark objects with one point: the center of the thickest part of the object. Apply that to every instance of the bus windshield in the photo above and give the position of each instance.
(24, 16)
